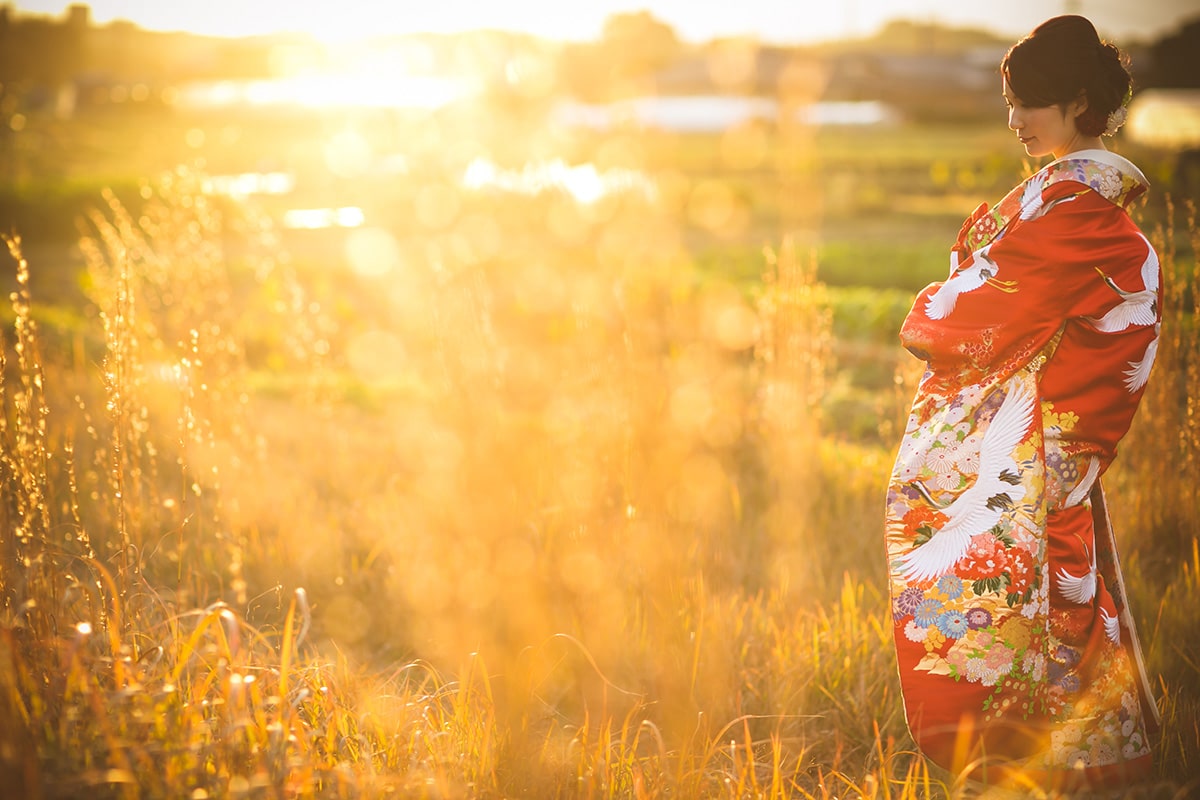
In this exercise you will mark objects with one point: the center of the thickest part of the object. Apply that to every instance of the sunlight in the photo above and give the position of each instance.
(332, 90)
(249, 183)
(348, 154)
(355, 20)
(584, 182)
(480, 415)
(317, 218)
(1168, 118)
(372, 251)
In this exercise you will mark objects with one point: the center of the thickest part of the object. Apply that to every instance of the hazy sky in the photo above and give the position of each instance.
(696, 20)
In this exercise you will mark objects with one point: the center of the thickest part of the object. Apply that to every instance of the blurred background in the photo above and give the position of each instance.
(311, 109)
(544, 356)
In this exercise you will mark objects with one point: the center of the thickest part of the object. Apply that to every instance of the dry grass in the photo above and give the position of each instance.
(537, 531)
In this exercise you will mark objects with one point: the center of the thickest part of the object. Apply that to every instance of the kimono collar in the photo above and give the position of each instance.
(1113, 177)
(1095, 169)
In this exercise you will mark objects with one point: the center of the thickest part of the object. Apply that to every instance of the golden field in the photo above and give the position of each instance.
(564, 491)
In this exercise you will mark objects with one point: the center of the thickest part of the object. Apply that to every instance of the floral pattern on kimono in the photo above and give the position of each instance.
(1013, 640)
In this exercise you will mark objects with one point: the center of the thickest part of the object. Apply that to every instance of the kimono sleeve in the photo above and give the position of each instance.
(1011, 297)
(1061, 260)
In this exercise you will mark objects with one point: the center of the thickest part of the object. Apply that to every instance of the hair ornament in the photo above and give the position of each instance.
(1117, 118)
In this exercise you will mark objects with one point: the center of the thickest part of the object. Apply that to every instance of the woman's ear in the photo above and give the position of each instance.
(1078, 105)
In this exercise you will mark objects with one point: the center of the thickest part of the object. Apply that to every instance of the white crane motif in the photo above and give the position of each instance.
(1079, 589)
(982, 271)
(978, 508)
(1112, 626)
(1135, 308)
(1139, 371)
(1084, 486)
(1031, 198)
(1032, 205)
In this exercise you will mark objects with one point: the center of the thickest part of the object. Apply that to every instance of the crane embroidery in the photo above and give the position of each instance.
(983, 271)
(981, 505)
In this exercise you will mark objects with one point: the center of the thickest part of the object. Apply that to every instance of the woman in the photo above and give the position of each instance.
(1018, 658)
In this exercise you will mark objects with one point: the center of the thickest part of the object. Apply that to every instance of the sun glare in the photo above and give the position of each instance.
(474, 415)
(317, 218)
(332, 90)
(348, 21)
(584, 182)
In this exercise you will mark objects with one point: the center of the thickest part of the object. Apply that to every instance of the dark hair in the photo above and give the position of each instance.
(1062, 59)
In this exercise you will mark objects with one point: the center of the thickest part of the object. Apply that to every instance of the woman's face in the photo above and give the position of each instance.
(1044, 130)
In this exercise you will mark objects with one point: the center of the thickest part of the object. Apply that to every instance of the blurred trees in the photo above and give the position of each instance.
(637, 44)
(927, 71)
(1175, 60)
(41, 51)
(632, 49)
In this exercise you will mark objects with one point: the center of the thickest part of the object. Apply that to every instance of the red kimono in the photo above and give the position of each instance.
(1016, 651)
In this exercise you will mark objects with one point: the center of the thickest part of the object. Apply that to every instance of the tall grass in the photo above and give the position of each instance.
(568, 527)
(1157, 506)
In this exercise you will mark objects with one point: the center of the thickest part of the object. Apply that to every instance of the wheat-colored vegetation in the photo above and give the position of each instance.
(522, 515)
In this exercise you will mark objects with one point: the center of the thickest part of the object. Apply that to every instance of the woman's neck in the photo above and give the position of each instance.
(1077, 143)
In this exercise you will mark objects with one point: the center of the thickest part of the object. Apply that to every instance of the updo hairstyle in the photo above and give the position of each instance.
(1062, 59)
